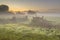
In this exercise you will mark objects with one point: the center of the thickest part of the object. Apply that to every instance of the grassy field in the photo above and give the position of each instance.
(24, 32)
(54, 20)
(17, 31)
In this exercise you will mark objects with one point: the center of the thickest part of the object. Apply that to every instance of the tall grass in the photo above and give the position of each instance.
(23, 32)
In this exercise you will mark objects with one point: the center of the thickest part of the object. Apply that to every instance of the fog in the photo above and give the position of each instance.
(49, 14)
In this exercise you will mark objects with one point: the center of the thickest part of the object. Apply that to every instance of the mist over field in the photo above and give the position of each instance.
(29, 19)
(38, 26)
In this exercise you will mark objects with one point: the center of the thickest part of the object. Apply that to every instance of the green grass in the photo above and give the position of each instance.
(24, 32)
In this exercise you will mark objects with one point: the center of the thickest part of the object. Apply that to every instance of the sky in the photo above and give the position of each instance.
(40, 5)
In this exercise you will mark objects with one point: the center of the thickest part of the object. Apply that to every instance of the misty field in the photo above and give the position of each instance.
(20, 31)
(29, 19)
(54, 20)
(23, 32)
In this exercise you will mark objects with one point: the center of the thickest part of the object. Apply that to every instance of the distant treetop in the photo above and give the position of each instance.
(4, 8)
(31, 12)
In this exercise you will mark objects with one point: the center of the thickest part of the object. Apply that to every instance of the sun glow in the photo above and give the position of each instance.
(14, 8)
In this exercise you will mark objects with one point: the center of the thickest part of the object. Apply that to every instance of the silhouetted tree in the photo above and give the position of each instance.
(4, 8)
(31, 12)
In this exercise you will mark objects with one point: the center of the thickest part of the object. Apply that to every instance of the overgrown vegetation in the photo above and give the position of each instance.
(36, 29)
(23, 32)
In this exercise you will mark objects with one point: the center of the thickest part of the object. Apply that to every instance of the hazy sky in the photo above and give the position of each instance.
(41, 5)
